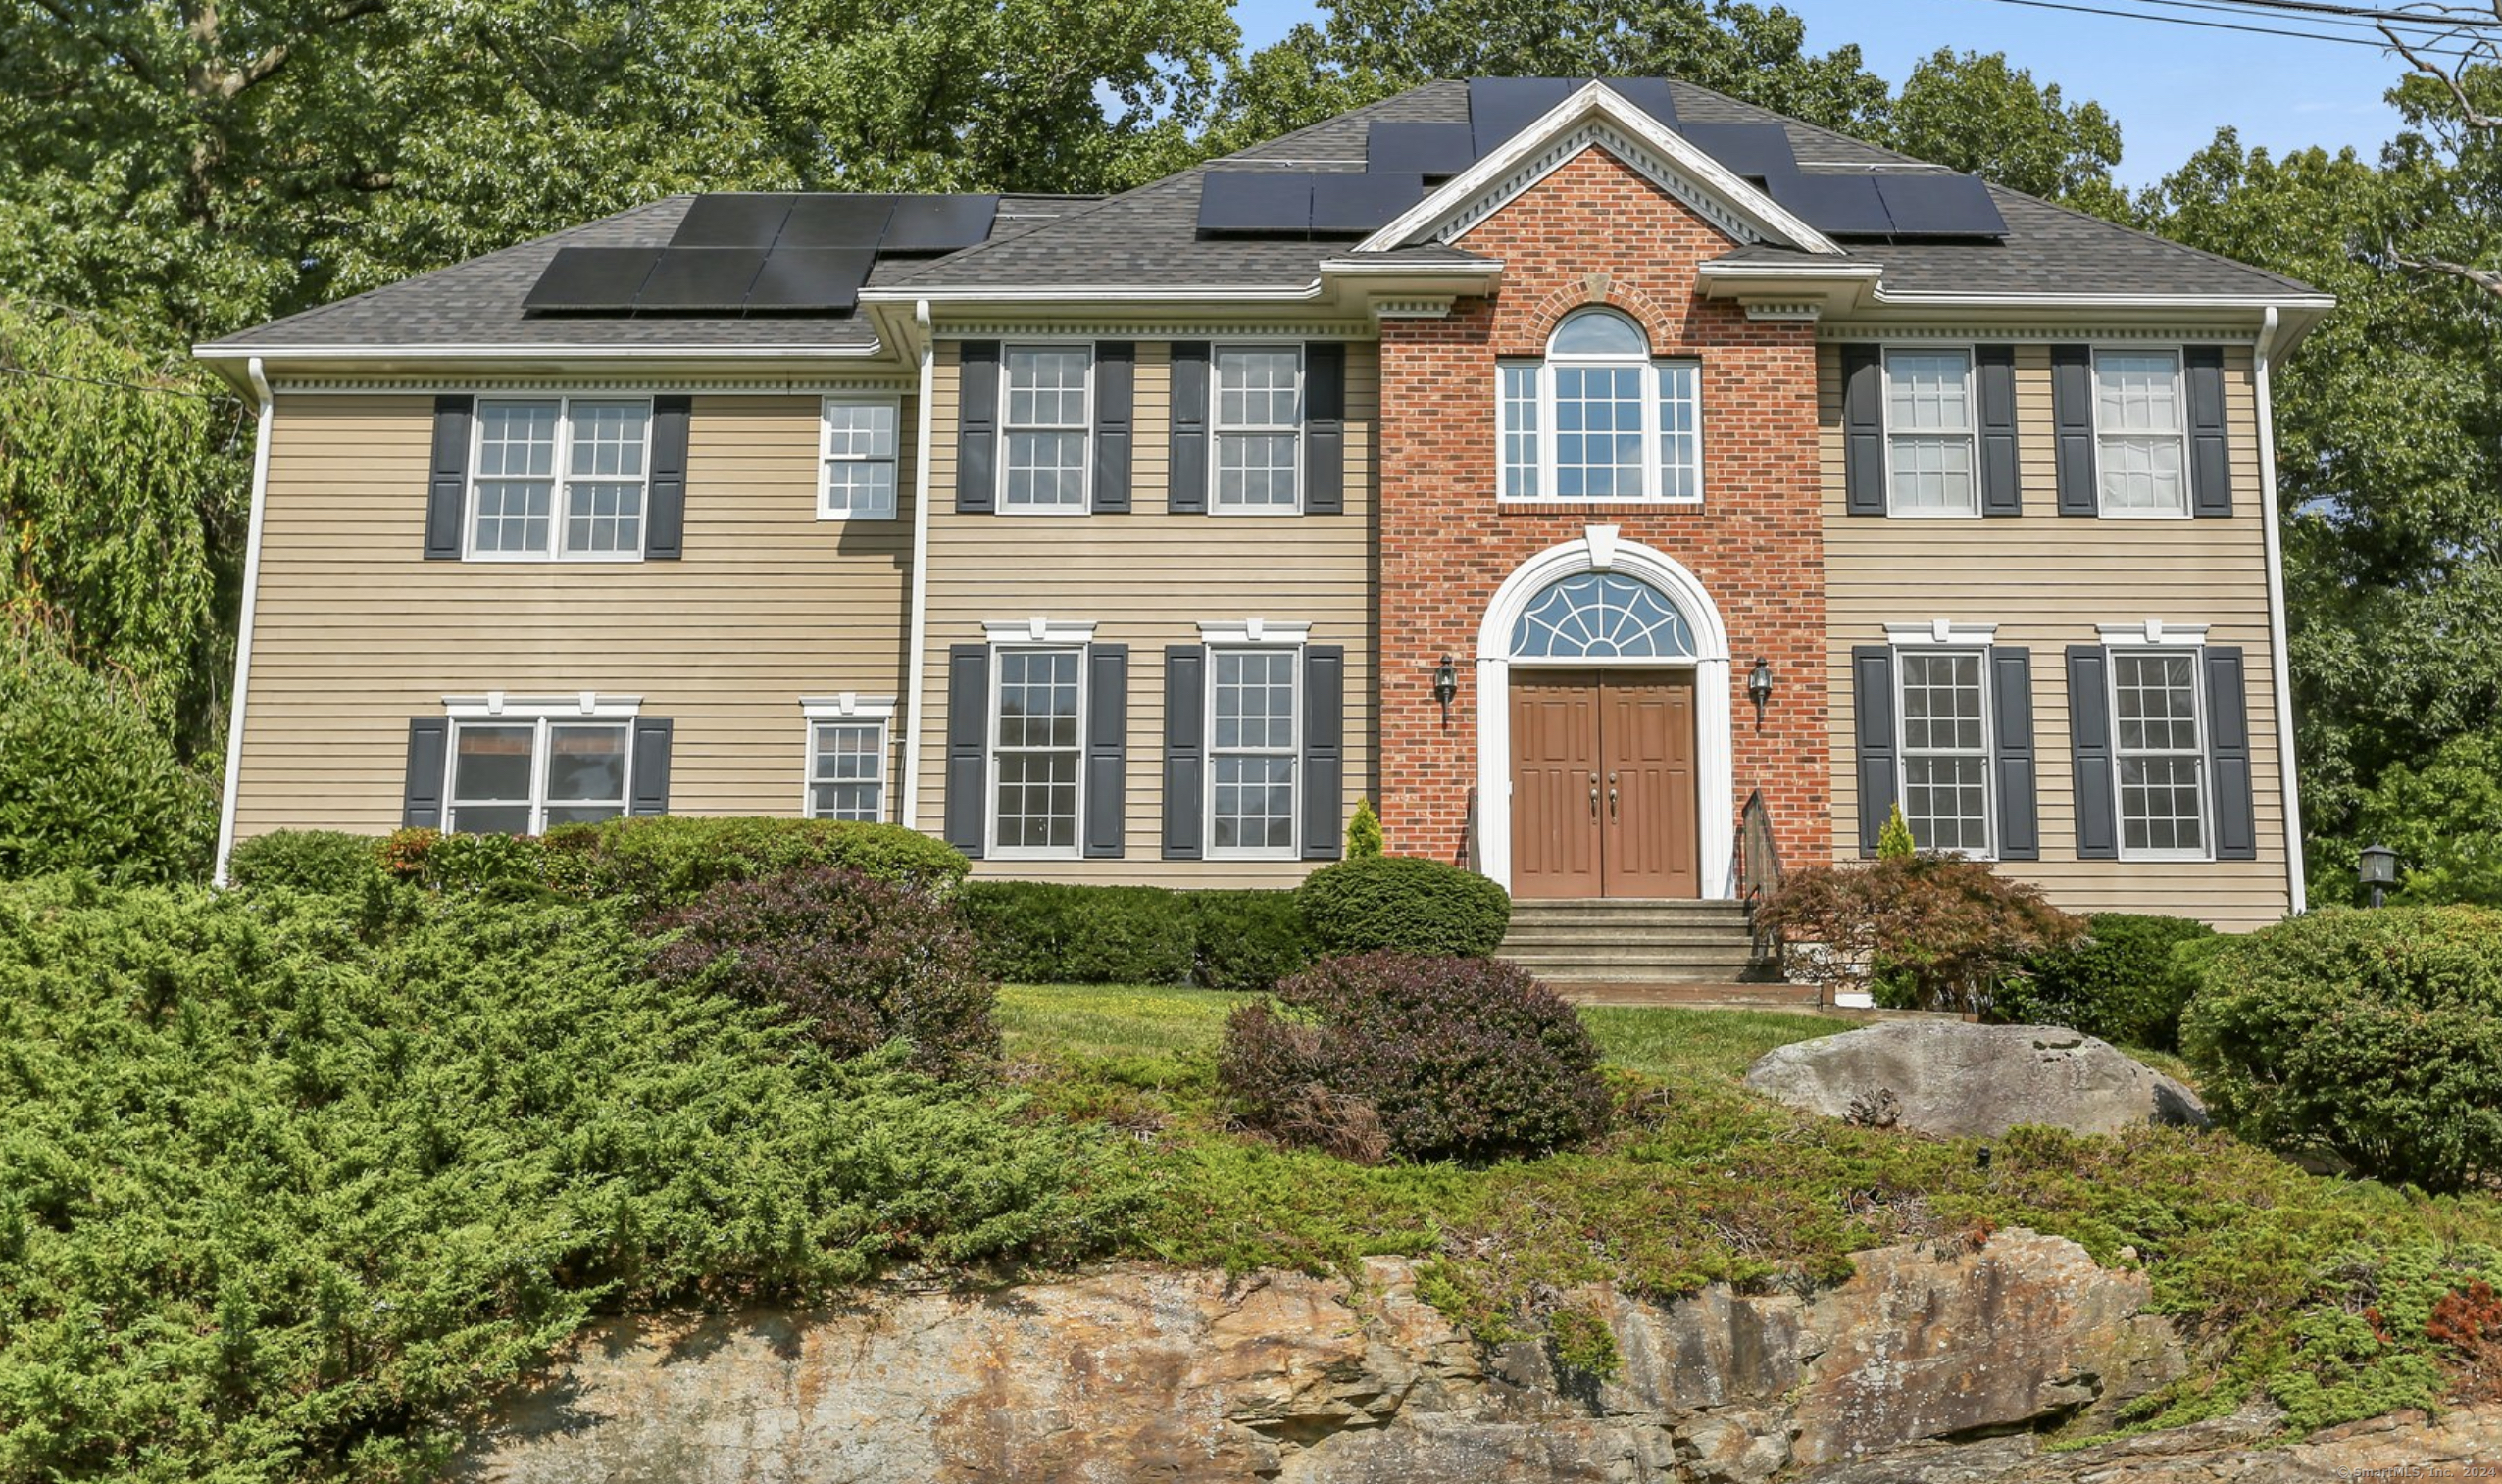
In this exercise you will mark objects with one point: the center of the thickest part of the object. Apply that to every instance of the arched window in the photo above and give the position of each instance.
(1599, 419)
(1602, 615)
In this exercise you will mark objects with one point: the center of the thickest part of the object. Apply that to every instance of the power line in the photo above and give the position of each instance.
(2225, 25)
(133, 386)
(2436, 20)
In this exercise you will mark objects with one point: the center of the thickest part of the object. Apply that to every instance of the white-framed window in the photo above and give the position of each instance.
(1931, 462)
(1599, 419)
(559, 477)
(1037, 739)
(1045, 418)
(2141, 433)
(1257, 425)
(518, 766)
(2158, 736)
(1943, 712)
(849, 740)
(1255, 742)
(857, 449)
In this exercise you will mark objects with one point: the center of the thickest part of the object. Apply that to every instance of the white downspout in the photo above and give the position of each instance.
(914, 663)
(2278, 665)
(255, 374)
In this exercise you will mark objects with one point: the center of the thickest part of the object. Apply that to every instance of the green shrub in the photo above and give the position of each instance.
(1404, 904)
(326, 861)
(1057, 932)
(1420, 1056)
(504, 864)
(279, 1203)
(1941, 931)
(853, 960)
(1894, 841)
(1363, 831)
(2125, 980)
(87, 779)
(1249, 940)
(2374, 1036)
(665, 860)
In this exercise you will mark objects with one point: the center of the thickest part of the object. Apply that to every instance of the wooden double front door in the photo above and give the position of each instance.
(1603, 784)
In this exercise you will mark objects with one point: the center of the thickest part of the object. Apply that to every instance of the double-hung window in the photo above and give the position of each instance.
(2161, 752)
(1044, 426)
(1258, 430)
(518, 775)
(859, 458)
(1254, 743)
(2140, 433)
(1929, 458)
(1944, 711)
(1038, 749)
(1598, 418)
(560, 477)
(847, 747)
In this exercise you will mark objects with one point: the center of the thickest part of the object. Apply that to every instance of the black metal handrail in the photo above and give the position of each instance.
(1758, 865)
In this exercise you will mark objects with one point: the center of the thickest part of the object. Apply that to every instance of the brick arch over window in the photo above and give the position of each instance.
(1658, 325)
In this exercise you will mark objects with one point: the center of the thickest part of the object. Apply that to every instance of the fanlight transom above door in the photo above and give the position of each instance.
(1602, 615)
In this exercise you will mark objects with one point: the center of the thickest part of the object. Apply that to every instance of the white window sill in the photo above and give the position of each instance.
(570, 559)
(1293, 853)
(1254, 513)
(837, 517)
(1932, 515)
(1597, 502)
(1005, 852)
(2143, 515)
(2169, 857)
(1052, 511)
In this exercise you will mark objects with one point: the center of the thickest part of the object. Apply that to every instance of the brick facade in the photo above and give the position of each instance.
(1597, 231)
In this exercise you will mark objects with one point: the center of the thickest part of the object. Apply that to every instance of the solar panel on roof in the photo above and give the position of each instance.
(1501, 106)
(1428, 149)
(796, 280)
(1361, 203)
(1649, 94)
(1760, 150)
(829, 220)
(939, 223)
(589, 278)
(1255, 201)
(701, 278)
(736, 218)
(1846, 204)
(1926, 205)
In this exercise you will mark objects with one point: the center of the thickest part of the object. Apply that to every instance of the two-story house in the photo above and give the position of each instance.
(1559, 464)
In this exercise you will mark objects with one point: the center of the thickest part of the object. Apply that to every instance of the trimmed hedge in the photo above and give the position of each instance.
(331, 862)
(2376, 1035)
(2126, 980)
(1404, 904)
(1424, 1056)
(667, 859)
(1057, 932)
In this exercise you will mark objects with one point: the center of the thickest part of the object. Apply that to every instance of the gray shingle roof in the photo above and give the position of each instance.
(1148, 238)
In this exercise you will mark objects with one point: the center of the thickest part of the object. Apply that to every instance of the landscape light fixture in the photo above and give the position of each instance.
(1446, 684)
(1759, 688)
(2379, 870)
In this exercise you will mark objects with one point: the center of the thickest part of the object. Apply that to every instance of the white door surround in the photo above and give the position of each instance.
(1601, 550)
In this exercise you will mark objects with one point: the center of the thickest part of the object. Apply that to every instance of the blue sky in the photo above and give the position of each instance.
(2170, 86)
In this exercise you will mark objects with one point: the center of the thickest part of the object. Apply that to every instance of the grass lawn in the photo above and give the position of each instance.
(2269, 1266)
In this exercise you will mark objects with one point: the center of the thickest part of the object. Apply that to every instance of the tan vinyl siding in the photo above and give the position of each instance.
(2047, 581)
(355, 632)
(1147, 579)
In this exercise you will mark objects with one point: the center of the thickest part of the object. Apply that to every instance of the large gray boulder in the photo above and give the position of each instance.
(1953, 1078)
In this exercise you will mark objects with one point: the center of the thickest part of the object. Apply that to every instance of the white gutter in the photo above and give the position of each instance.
(254, 372)
(216, 350)
(916, 663)
(2279, 666)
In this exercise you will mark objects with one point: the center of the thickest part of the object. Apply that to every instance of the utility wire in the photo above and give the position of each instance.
(2227, 26)
(133, 386)
(2437, 20)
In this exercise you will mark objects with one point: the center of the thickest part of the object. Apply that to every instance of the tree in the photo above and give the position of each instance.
(1978, 113)
(1366, 50)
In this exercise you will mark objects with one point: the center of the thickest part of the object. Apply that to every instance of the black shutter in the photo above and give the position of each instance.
(2071, 416)
(650, 793)
(1323, 750)
(2228, 755)
(665, 534)
(1116, 409)
(1185, 749)
(447, 488)
(1324, 429)
(2209, 451)
(2001, 481)
(2089, 743)
(1871, 671)
(1863, 431)
(1106, 748)
(968, 725)
(2018, 802)
(421, 798)
(977, 429)
(1186, 486)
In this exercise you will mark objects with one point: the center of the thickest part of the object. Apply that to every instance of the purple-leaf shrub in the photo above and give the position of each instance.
(854, 961)
(1420, 1056)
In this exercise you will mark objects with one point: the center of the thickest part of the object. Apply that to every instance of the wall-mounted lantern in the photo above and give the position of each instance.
(1759, 688)
(1446, 684)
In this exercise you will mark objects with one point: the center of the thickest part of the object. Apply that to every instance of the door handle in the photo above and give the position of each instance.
(1611, 796)
(1593, 796)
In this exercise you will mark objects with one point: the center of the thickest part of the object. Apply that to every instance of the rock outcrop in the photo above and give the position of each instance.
(1952, 1078)
(1142, 1375)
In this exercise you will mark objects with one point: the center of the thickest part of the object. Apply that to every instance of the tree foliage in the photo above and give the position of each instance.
(87, 781)
(1979, 112)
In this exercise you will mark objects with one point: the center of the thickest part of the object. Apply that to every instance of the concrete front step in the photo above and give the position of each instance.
(1672, 945)
(1642, 935)
(1697, 994)
(1732, 956)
